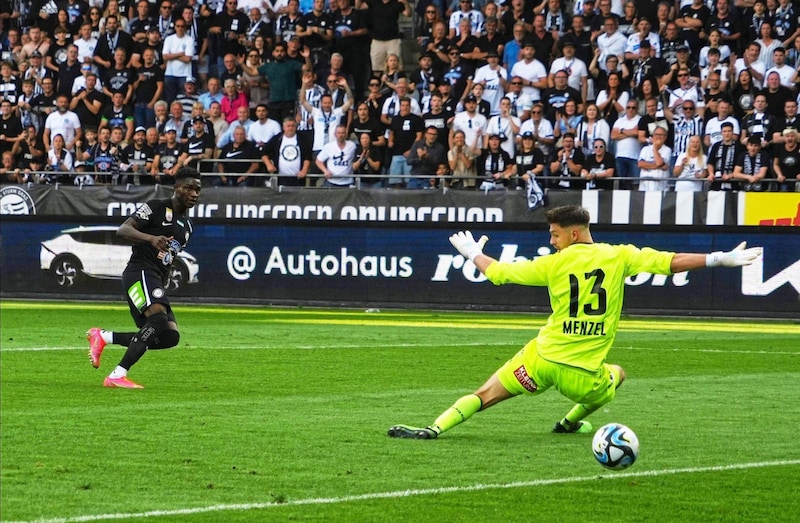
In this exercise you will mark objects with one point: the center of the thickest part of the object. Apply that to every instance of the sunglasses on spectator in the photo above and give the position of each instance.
(632, 107)
(432, 12)
(599, 146)
(516, 83)
(682, 74)
(688, 107)
(374, 84)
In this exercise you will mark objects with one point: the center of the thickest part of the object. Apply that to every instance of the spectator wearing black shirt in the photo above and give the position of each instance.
(230, 27)
(117, 114)
(351, 39)
(88, 102)
(165, 164)
(383, 16)
(599, 168)
(368, 163)
(137, 158)
(405, 128)
(235, 173)
(68, 71)
(439, 118)
(199, 147)
(495, 165)
(44, 103)
(139, 26)
(529, 160)
(120, 77)
(112, 39)
(147, 90)
(426, 158)
(10, 127)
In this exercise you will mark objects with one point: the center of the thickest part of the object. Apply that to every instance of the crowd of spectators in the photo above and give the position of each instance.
(688, 95)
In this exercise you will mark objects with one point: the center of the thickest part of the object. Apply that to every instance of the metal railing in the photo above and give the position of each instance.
(273, 180)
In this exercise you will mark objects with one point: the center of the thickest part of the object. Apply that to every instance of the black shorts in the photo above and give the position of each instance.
(143, 289)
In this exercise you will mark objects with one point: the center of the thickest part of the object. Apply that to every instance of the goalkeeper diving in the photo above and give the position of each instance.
(586, 283)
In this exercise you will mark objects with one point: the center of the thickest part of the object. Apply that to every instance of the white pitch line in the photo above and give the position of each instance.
(417, 345)
(414, 492)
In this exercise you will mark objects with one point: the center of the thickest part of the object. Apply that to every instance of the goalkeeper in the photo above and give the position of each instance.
(585, 281)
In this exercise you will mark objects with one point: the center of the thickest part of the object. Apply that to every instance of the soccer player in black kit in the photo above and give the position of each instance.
(159, 230)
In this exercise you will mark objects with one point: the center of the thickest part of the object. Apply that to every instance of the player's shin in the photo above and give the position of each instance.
(577, 413)
(147, 335)
(461, 411)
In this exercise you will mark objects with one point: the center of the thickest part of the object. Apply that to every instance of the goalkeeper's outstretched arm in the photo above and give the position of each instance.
(737, 257)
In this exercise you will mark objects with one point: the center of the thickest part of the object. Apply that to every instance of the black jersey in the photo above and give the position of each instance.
(157, 217)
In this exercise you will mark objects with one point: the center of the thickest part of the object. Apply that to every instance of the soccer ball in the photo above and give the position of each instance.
(615, 446)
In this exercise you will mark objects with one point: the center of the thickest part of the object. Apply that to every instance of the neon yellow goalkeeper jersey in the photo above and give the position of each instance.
(586, 283)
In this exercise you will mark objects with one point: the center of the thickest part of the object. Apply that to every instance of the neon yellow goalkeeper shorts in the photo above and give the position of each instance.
(528, 373)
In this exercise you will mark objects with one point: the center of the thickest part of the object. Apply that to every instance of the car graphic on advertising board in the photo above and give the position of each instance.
(97, 252)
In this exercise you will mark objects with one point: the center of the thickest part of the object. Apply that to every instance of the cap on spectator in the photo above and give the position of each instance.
(36, 54)
(754, 140)
(681, 49)
(493, 136)
(492, 54)
(191, 80)
(426, 54)
(527, 135)
(453, 48)
(198, 119)
(140, 129)
(470, 98)
(170, 129)
(527, 43)
(567, 43)
(645, 44)
(788, 131)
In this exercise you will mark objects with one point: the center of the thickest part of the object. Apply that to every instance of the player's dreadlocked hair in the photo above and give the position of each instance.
(568, 215)
(185, 173)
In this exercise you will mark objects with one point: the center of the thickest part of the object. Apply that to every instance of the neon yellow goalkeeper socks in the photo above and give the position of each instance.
(461, 411)
(577, 413)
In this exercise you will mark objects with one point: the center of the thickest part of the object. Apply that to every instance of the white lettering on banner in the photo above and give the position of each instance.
(509, 254)
(679, 279)
(468, 270)
(329, 213)
(315, 264)
(421, 214)
(241, 262)
(753, 283)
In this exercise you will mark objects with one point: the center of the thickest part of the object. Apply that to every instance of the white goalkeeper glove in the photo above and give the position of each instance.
(736, 258)
(465, 243)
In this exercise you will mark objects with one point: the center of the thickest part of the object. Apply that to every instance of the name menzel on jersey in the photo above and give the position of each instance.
(585, 328)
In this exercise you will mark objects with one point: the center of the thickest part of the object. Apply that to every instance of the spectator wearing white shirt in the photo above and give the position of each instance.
(625, 132)
(654, 163)
(532, 73)
(505, 126)
(750, 62)
(713, 133)
(86, 44)
(635, 40)
(470, 122)
(493, 77)
(611, 42)
(177, 53)
(63, 122)
(577, 74)
(335, 160)
(785, 72)
(263, 129)
(465, 10)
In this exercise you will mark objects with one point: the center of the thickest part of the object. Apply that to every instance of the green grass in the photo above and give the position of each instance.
(284, 412)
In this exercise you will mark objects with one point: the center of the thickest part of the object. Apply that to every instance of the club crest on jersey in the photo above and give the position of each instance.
(158, 293)
(168, 215)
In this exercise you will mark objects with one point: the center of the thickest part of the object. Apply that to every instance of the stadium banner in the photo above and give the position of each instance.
(264, 205)
(387, 266)
(768, 209)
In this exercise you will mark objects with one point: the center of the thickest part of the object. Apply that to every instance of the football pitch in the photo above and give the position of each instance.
(279, 414)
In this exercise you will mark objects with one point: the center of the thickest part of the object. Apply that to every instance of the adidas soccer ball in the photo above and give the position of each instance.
(615, 446)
